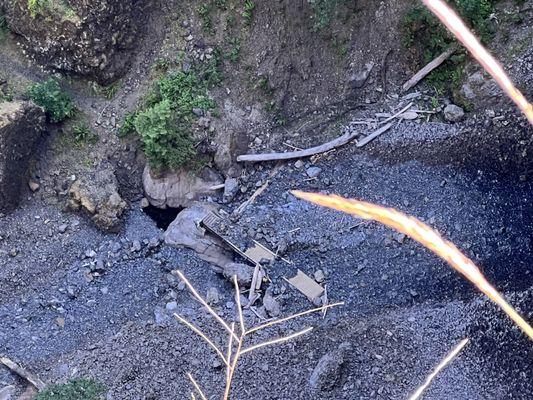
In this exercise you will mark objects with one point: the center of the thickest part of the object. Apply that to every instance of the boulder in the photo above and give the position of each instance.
(98, 195)
(186, 231)
(93, 38)
(243, 272)
(21, 125)
(328, 371)
(179, 189)
(453, 113)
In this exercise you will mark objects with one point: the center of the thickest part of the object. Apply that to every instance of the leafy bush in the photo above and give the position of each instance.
(169, 109)
(78, 389)
(323, 11)
(56, 103)
(166, 144)
(248, 12)
(83, 134)
(429, 37)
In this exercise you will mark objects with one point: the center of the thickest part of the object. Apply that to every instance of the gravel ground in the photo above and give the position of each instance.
(76, 302)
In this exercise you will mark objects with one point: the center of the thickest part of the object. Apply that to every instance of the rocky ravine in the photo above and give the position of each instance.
(82, 301)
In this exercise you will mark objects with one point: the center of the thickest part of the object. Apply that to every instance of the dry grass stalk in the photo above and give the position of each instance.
(427, 237)
(449, 358)
(454, 23)
(236, 342)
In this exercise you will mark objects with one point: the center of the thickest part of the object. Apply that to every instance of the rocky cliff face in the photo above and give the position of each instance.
(21, 124)
(92, 38)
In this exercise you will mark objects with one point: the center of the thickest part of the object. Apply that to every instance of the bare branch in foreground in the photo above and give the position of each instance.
(277, 341)
(197, 387)
(202, 335)
(204, 303)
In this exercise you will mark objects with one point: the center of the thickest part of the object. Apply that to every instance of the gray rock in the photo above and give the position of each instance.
(171, 306)
(198, 112)
(78, 37)
(327, 373)
(244, 273)
(62, 228)
(21, 125)
(178, 189)
(186, 231)
(453, 113)
(298, 164)
(97, 194)
(271, 305)
(359, 79)
(231, 187)
(313, 172)
(213, 296)
(136, 246)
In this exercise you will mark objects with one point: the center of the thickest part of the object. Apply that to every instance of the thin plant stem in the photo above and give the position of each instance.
(229, 379)
(238, 302)
(197, 387)
(230, 348)
(454, 23)
(449, 358)
(203, 336)
(301, 314)
(204, 303)
(277, 341)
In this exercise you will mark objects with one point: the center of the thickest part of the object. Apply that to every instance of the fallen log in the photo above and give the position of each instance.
(30, 377)
(340, 141)
(428, 68)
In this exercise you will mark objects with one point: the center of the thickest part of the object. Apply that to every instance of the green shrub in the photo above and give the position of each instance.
(248, 12)
(165, 143)
(323, 11)
(59, 8)
(77, 389)
(56, 103)
(426, 34)
(234, 52)
(128, 125)
(83, 134)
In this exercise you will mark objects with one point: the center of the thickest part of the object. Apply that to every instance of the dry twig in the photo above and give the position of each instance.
(428, 68)
(30, 377)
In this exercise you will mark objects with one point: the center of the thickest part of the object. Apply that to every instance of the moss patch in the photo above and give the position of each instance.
(78, 389)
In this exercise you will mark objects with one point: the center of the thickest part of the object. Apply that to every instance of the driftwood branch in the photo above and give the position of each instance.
(340, 141)
(32, 378)
(428, 68)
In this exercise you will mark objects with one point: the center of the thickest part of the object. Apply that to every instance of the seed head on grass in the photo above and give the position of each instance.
(426, 236)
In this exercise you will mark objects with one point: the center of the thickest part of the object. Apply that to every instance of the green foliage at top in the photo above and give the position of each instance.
(56, 103)
(78, 389)
(171, 107)
(323, 12)
(429, 37)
